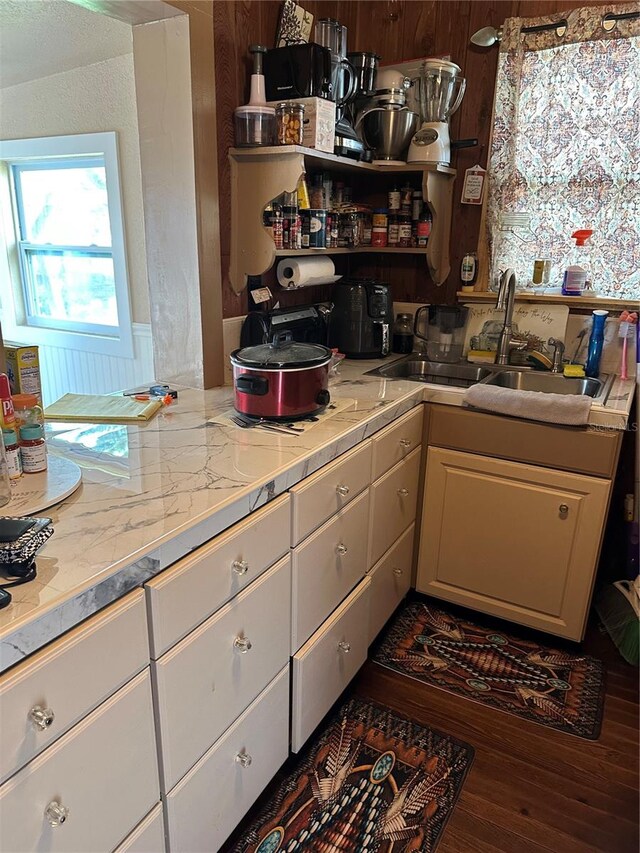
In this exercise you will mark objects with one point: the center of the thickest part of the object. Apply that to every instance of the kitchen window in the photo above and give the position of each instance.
(66, 254)
(566, 147)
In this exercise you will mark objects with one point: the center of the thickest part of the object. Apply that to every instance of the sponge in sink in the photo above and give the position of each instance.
(574, 371)
(481, 356)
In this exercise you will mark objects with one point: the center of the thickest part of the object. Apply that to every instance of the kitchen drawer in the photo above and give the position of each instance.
(394, 498)
(104, 771)
(148, 836)
(68, 678)
(394, 443)
(317, 498)
(205, 806)
(390, 581)
(207, 680)
(327, 662)
(194, 588)
(326, 567)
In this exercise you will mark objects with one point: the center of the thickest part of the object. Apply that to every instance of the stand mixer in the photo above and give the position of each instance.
(440, 90)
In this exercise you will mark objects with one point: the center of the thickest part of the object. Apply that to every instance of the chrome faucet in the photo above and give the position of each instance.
(505, 302)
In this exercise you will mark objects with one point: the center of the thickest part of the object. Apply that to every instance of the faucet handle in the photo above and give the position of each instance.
(558, 352)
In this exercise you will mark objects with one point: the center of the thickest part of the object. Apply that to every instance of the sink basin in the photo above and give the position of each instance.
(551, 383)
(461, 374)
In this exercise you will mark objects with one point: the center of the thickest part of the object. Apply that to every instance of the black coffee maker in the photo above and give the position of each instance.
(362, 317)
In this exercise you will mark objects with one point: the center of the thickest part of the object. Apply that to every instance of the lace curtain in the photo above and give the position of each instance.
(566, 149)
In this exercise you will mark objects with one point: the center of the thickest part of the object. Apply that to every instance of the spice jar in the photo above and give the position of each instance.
(404, 230)
(289, 123)
(423, 228)
(393, 235)
(12, 452)
(33, 449)
(379, 228)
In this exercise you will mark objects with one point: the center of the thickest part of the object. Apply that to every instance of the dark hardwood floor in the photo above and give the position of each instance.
(530, 788)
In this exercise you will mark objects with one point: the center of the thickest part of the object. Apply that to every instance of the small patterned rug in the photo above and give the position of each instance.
(557, 689)
(370, 782)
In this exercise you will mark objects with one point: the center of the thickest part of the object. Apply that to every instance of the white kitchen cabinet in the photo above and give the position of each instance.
(510, 539)
(87, 791)
(148, 836)
(207, 680)
(390, 581)
(326, 567)
(394, 443)
(207, 804)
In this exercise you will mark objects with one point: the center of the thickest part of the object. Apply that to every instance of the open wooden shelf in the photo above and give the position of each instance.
(573, 302)
(293, 253)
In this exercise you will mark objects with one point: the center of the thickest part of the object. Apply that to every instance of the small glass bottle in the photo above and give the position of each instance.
(406, 198)
(12, 452)
(402, 334)
(423, 229)
(33, 449)
(379, 228)
(278, 226)
(394, 199)
(393, 234)
(5, 486)
(404, 231)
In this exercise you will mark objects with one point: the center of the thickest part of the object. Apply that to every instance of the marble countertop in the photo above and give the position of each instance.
(150, 494)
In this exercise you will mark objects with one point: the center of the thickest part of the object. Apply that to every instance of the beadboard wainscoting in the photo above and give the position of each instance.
(66, 371)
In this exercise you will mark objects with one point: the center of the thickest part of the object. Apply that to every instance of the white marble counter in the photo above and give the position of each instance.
(151, 494)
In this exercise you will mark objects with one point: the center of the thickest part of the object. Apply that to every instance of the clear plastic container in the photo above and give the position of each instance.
(254, 126)
(27, 410)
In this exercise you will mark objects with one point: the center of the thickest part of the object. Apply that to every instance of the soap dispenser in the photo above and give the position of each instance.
(596, 342)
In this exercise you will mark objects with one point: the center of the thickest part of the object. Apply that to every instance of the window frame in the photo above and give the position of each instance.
(18, 320)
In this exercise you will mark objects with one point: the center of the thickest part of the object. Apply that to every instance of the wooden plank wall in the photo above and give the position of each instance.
(398, 30)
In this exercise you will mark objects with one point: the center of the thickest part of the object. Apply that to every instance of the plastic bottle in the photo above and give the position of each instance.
(469, 271)
(5, 487)
(12, 451)
(596, 342)
(7, 415)
(33, 449)
(577, 277)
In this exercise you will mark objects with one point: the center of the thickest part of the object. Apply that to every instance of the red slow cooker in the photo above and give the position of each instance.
(283, 380)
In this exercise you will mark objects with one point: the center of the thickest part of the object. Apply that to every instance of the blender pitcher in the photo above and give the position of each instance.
(441, 88)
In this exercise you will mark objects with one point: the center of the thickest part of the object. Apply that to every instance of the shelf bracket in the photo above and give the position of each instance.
(437, 189)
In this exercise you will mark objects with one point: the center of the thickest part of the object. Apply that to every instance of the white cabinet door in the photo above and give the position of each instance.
(327, 566)
(327, 662)
(390, 581)
(207, 680)
(206, 806)
(44, 696)
(104, 771)
(194, 588)
(394, 499)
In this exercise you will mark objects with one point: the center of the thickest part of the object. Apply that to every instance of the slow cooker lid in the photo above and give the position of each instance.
(282, 352)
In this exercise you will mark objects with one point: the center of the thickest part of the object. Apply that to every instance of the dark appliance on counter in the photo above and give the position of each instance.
(306, 323)
(298, 71)
(362, 317)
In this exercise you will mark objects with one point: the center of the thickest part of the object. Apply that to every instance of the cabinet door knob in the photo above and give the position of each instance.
(403, 492)
(242, 644)
(341, 549)
(344, 646)
(41, 717)
(563, 510)
(397, 572)
(405, 442)
(56, 813)
(240, 567)
(243, 759)
(342, 490)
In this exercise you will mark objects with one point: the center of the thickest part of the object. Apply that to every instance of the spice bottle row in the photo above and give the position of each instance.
(22, 422)
(325, 216)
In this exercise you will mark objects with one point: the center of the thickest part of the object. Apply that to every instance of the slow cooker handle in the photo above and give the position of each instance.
(281, 338)
(257, 386)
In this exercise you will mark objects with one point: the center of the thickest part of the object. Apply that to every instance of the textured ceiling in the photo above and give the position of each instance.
(43, 37)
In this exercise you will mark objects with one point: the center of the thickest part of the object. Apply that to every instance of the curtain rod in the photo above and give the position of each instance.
(563, 23)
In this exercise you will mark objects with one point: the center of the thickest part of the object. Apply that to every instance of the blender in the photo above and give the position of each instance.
(440, 89)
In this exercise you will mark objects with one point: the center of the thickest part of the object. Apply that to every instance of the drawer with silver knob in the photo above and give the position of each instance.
(329, 490)
(91, 788)
(190, 591)
(327, 662)
(53, 689)
(394, 500)
(208, 803)
(390, 581)
(327, 566)
(394, 443)
(207, 680)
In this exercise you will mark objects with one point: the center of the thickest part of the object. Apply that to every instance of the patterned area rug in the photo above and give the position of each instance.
(371, 782)
(560, 690)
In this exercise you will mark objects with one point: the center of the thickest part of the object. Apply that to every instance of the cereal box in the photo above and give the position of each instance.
(23, 369)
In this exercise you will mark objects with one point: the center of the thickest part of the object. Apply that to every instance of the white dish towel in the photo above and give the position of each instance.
(572, 410)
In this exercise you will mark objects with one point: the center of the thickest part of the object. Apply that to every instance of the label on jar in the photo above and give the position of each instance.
(14, 464)
(34, 459)
(394, 233)
(394, 199)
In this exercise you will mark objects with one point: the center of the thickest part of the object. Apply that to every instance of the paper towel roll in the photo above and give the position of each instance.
(305, 272)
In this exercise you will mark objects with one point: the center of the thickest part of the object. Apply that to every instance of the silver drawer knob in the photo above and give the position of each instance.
(243, 759)
(56, 813)
(344, 646)
(41, 717)
(405, 442)
(403, 492)
(341, 549)
(343, 491)
(563, 510)
(240, 567)
(397, 572)
(242, 644)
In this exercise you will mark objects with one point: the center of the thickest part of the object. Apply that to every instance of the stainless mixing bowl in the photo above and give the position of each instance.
(388, 131)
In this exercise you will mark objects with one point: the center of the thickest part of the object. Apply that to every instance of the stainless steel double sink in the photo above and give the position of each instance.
(463, 375)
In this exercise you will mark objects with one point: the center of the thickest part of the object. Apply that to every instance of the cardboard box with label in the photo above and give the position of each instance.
(23, 369)
(319, 129)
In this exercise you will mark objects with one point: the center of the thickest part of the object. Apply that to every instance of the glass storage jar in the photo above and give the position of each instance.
(289, 123)
(403, 334)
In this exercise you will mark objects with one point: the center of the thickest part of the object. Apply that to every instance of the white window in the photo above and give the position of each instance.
(67, 282)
